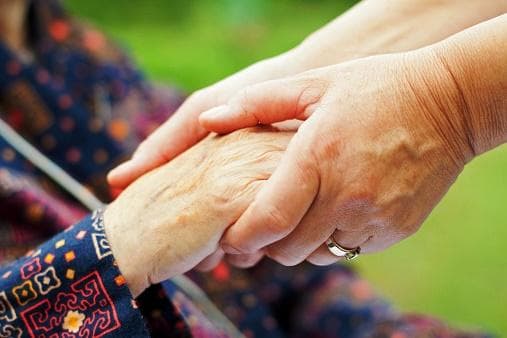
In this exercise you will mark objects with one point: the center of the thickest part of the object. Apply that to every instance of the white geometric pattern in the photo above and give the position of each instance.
(47, 281)
(6, 310)
(9, 331)
(101, 244)
(97, 220)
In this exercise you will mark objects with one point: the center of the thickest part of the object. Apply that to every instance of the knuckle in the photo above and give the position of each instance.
(243, 261)
(283, 257)
(243, 100)
(276, 220)
(236, 246)
(312, 91)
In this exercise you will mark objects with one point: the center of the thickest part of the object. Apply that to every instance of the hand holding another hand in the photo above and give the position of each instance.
(172, 218)
(383, 140)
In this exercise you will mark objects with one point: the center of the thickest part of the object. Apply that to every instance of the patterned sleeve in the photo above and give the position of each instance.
(68, 287)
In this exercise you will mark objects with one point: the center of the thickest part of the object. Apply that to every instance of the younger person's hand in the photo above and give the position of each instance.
(383, 139)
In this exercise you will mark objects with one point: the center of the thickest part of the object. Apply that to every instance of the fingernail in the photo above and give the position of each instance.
(217, 113)
(230, 250)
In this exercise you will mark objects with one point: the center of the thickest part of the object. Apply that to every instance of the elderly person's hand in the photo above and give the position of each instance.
(172, 218)
(383, 139)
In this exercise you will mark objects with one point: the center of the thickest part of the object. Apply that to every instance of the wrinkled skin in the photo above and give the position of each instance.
(170, 219)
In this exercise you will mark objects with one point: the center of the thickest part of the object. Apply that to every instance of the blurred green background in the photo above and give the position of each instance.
(454, 267)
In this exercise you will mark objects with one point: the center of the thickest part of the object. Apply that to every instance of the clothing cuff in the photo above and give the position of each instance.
(69, 284)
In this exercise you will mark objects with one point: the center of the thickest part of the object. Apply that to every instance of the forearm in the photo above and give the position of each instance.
(476, 63)
(385, 26)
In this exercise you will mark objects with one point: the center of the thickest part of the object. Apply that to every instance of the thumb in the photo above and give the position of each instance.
(266, 103)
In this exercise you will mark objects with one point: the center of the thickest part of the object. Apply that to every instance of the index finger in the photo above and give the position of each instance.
(174, 136)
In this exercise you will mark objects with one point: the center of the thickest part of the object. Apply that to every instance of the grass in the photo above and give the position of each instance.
(454, 267)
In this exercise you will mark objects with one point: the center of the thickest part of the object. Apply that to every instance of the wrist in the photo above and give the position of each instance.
(124, 256)
(439, 104)
(474, 64)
